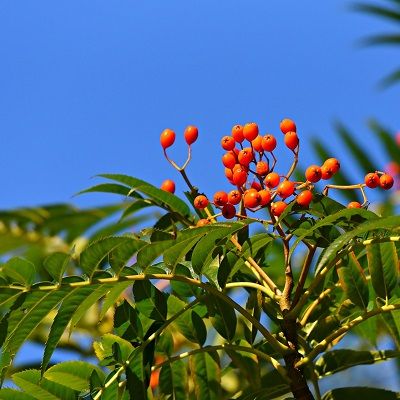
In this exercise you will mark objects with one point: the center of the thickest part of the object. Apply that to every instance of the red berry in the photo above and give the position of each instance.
(245, 156)
(250, 131)
(251, 199)
(268, 143)
(257, 144)
(304, 198)
(332, 164)
(285, 189)
(229, 173)
(372, 180)
(191, 134)
(326, 173)
(287, 125)
(168, 185)
(256, 185)
(265, 196)
(239, 177)
(272, 180)
(220, 198)
(234, 197)
(228, 211)
(229, 160)
(228, 143)
(200, 201)
(313, 173)
(291, 140)
(237, 133)
(262, 168)
(278, 208)
(354, 204)
(386, 181)
(167, 138)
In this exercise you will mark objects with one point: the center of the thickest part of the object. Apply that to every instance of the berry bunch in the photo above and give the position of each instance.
(251, 167)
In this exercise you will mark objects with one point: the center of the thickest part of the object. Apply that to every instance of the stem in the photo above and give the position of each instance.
(313, 306)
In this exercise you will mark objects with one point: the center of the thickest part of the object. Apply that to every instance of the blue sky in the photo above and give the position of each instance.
(86, 87)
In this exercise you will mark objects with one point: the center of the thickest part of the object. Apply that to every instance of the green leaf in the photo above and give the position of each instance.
(352, 280)
(121, 255)
(364, 393)
(73, 374)
(107, 188)
(339, 360)
(386, 137)
(19, 270)
(174, 380)
(151, 251)
(55, 264)
(136, 377)
(12, 394)
(127, 323)
(97, 251)
(206, 374)
(383, 39)
(383, 264)
(149, 301)
(161, 197)
(104, 348)
(378, 11)
(223, 317)
(42, 389)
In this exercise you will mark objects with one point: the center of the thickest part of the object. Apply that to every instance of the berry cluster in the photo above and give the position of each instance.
(250, 165)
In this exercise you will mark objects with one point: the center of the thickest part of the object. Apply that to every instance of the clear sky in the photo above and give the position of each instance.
(86, 87)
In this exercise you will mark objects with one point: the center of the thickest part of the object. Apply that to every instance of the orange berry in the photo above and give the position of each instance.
(285, 189)
(262, 168)
(272, 180)
(326, 173)
(228, 211)
(240, 167)
(202, 222)
(245, 156)
(250, 131)
(313, 173)
(354, 204)
(154, 379)
(228, 143)
(287, 125)
(251, 199)
(200, 201)
(220, 198)
(229, 173)
(167, 138)
(256, 186)
(386, 181)
(229, 160)
(239, 177)
(372, 180)
(333, 164)
(268, 143)
(168, 185)
(278, 208)
(265, 196)
(191, 134)
(291, 140)
(237, 133)
(234, 197)
(257, 144)
(304, 198)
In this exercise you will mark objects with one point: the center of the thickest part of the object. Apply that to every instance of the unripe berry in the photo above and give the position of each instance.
(272, 180)
(191, 134)
(304, 198)
(245, 156)
(220, 198)
(386, 181)
(168, 185)
(332, 164)
(287, 125)
(200, 202)
(372, 180)
(285, 189)
(228, 143)
(265, 195)
(237, 133)
(262, 168)
(278, 208)
(228, 211)
(251, 199)
(313, 173)
(234, 197)
(257, 144)
(229, 160)
(291, 140)
(250, 131)
(268, 143)
(354, 204)
(202, 222)
(167, 138)
(239, 177)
